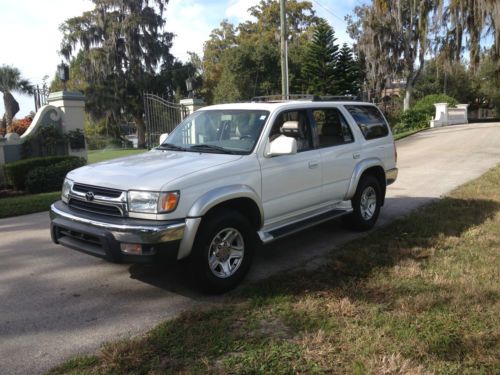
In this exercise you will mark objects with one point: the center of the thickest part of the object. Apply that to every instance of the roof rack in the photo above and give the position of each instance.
(277, 98)
(281, 98)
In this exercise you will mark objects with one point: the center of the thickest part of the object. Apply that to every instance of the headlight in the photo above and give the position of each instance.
(66, 188)
(152, 202)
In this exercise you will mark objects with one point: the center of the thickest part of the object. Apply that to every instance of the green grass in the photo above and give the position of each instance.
(419, 296)
(95, 156)
(27, 204)
(406, 134)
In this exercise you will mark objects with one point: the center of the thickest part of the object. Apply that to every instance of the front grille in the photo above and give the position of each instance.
(104, 192)
(94, 207)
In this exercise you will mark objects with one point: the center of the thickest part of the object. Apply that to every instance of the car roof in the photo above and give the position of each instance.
(272, 106)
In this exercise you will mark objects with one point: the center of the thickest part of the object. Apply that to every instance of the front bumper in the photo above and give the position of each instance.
(391, 175)
(102, 236)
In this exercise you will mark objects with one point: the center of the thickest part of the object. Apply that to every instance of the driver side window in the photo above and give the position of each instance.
(293, 124)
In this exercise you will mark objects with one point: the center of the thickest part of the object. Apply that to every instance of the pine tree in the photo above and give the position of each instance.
(320, 62)
(347, 73)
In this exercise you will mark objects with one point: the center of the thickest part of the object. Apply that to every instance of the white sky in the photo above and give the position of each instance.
(31, 38)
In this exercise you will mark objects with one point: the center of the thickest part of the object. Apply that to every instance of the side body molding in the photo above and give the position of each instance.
(358, 171)
(207, 201)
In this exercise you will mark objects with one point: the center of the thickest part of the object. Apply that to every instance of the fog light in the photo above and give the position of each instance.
(131, 248)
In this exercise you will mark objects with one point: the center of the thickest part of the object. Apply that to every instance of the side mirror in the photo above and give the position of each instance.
(163, 137)
(282, 146)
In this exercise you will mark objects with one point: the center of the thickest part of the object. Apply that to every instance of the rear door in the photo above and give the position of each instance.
(373, 126)
(338, 149)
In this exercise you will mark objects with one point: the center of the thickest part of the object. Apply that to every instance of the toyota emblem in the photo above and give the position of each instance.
(89, 196)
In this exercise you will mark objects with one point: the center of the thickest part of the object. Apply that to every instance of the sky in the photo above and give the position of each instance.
(30, 36)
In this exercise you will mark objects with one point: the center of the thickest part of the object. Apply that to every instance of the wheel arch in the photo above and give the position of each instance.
(372, 167)
(240, 198)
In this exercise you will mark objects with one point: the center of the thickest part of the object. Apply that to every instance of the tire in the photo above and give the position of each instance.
(366, 204)
(222, 252)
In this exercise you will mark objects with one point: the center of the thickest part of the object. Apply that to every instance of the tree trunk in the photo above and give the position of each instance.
(11, 108)
(408, 92)
(141, 132)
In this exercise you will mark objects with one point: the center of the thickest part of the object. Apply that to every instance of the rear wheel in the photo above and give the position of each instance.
(366, 204)
(222, 252)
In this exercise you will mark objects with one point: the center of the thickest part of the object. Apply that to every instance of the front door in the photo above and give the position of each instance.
(291, 184)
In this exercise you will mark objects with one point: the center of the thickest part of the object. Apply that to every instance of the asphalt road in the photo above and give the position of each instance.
(56, 303)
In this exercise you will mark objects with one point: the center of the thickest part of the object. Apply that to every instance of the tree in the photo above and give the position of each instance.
(321, 61)
(473, 18)
(394, 40)
(348, 73)
(11, 80)
(243, 61)
(123, 46)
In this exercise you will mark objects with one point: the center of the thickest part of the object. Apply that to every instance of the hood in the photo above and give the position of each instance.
(148, 171)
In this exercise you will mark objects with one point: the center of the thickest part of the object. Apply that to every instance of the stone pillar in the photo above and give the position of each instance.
(192, 104)
(72, 105)
(441, 118)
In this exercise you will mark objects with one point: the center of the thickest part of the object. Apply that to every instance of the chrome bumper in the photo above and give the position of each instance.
(391, 175)
(103, 236)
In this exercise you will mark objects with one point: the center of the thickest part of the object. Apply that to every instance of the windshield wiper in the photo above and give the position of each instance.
(211, 148)
(170, 146)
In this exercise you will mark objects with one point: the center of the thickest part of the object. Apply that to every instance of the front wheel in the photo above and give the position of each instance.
(222, 252)
(366, 204)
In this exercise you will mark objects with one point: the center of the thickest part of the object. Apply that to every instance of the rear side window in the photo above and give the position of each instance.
(331, 127)
(370, 120)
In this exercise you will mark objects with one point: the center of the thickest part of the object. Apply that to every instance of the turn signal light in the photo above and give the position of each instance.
(168, 201)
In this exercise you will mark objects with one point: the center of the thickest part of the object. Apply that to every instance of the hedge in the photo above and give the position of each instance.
(50, 178)
(16, 172)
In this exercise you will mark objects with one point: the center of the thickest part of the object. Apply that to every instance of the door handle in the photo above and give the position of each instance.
(313, 164)
(356, 155)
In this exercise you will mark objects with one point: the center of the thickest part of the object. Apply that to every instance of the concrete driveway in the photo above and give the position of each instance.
(56, 303)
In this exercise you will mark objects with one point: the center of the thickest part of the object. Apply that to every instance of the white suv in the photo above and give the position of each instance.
(227, 179)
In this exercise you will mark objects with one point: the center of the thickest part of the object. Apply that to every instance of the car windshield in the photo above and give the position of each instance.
(218, 131)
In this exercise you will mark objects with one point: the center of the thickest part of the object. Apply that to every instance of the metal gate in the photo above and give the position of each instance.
(161, 116)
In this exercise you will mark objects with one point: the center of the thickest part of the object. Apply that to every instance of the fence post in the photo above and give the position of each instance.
(192, 104)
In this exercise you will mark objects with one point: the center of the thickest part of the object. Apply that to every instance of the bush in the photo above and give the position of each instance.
(16, 172)
(21, 125)
(426, 104)
(422, 112)
(50, 178)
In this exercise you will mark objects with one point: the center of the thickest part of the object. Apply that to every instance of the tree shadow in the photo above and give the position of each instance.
(408, 238)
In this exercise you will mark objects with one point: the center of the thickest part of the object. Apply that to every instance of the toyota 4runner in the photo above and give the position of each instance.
(228, 178)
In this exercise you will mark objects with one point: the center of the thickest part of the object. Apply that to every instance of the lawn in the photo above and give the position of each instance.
(95, 156)
(419, 296)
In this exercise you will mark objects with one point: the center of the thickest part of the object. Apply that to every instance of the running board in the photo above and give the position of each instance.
(286, 230)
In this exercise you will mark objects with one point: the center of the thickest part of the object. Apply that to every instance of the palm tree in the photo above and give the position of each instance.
(11, 80)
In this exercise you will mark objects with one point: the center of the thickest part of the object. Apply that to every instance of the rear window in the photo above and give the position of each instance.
(370, 120)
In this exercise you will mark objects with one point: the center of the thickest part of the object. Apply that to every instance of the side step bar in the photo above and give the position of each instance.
(286, 230)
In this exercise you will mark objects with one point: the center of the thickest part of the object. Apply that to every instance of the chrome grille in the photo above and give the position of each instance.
(98, 200)
(103, 192)
(95, 207)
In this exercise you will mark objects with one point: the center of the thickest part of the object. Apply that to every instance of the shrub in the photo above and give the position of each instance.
(422, 112)
(50, 178)
(20, 126)
(16, 172)
(426, 104)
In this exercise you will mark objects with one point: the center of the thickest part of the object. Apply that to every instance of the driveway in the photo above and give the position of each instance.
(56, 303)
